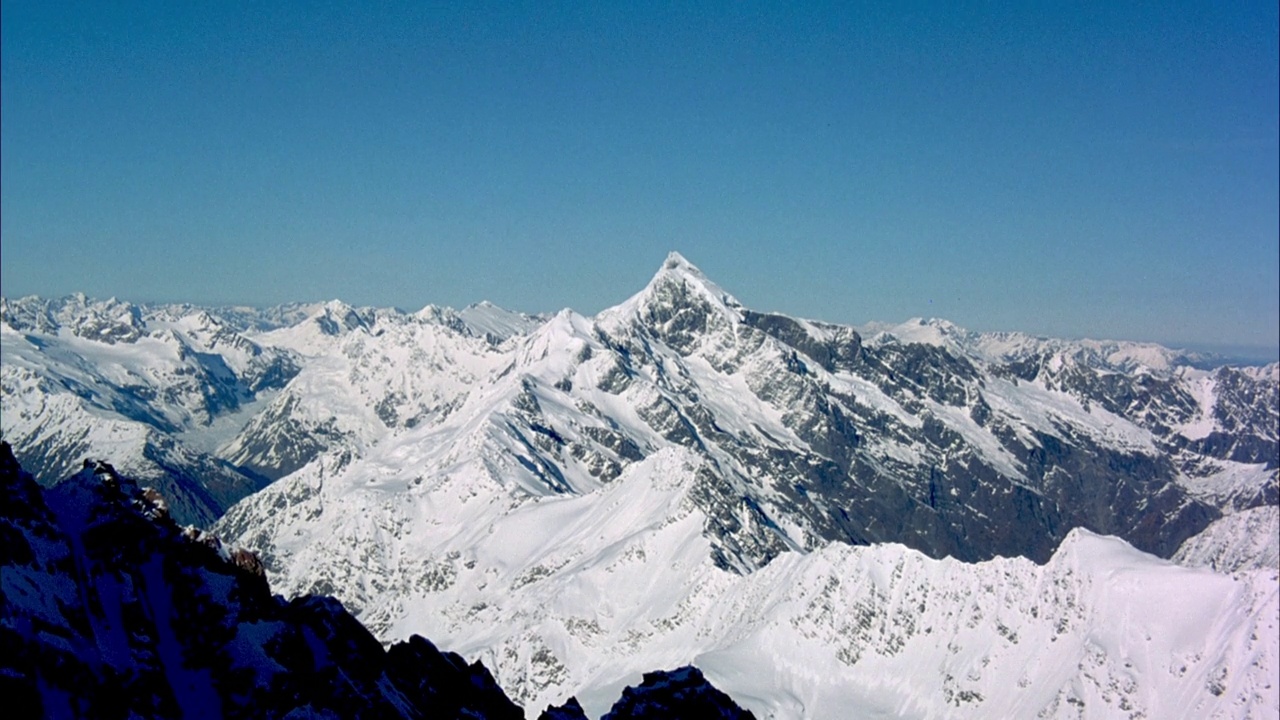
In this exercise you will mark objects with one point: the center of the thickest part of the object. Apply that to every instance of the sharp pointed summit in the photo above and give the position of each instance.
(676, 261)
(678, 290)
(576, 501)
(677, 267)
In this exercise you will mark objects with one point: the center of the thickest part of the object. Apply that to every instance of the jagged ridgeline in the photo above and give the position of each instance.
(957, 444)
(564, 496)
(110, 609)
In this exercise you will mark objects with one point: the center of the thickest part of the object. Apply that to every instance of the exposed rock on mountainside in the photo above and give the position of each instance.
(109, 609)
(151, 389)
(679, 693)
(683, 692)
(499, 481)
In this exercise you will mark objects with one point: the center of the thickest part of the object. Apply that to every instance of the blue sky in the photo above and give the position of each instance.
(1070, 169)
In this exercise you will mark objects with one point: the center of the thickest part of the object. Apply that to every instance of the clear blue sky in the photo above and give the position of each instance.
(1103, 169)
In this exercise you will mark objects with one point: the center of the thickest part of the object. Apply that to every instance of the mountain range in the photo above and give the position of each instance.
(110, 609)
(908, 520)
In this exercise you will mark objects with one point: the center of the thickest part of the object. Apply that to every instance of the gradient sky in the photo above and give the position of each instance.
(1103, 169)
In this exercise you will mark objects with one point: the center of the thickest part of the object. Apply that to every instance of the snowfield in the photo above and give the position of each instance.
(915, 521)
(579, 595)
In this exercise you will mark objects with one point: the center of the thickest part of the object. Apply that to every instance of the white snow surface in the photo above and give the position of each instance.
(1247, 540)
(1005, 346)
(1221, 481)
(580, 594)
(433, 512)
(489, 319)
(1201, 384)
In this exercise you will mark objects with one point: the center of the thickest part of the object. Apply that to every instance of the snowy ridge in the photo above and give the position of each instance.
(363, 378)
(487, 319)
(579, 499)
(579, 594)
(1117, 355)
(84, 378)
(1247, 540)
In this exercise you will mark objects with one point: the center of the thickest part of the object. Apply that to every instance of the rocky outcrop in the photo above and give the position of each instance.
(110, 609)
(680, 694)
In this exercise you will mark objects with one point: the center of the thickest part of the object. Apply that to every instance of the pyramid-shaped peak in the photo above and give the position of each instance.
(336, 316)
(677, 283)
(677, 266)
(676, 261)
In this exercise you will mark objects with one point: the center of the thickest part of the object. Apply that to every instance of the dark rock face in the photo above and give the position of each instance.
(110, 610)
(951, 498)
(445, 681)
(571, 710)
(190, 387)
(679, 316)
(1247, 408)
(678, 694)
(279, 442)
(841, 351)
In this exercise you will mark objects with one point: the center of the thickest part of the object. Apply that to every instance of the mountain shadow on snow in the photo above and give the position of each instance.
(110, 609)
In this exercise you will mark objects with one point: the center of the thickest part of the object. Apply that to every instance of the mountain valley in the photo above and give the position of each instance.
(905, 520)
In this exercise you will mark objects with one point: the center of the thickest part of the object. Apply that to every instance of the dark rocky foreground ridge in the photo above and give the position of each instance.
(110, 609)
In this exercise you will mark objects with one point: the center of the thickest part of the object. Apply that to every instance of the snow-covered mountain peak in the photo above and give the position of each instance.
(1269, 373)
(434, 315)
(930, 331)
(104, 321)
(567, 333)
(675, 262)
(316, 328)
(1083, 545)
(497, 323)
(677, 269)
(680, 305)
(336, 317)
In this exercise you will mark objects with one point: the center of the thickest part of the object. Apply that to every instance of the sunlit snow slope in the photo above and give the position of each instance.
(155, 391)
(579, 594)
(586, 509)
(578, 499)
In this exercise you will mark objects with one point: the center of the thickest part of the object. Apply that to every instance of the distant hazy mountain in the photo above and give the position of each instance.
(151, 388)
(577, 500)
